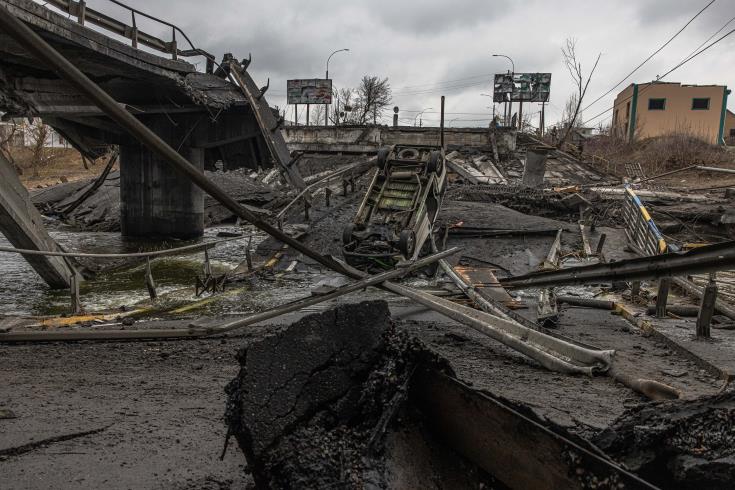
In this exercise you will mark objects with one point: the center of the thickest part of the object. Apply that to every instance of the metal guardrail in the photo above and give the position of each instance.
(642, 232)
(84, 14)
(709, 258)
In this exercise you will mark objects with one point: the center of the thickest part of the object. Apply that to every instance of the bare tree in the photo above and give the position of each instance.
(373, 96)
(8, 133)
(343, 107)
(574, 67)
(39, 133)
(317, 113)
(568, 113)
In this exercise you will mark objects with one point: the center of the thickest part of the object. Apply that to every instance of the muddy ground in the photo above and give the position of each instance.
(151, 414)
(160, 405)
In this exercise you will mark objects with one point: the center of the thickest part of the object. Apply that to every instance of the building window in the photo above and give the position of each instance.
(656, 104)
(700, 104)
(732, 133)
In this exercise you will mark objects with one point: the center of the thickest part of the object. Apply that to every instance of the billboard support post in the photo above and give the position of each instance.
(520, 116)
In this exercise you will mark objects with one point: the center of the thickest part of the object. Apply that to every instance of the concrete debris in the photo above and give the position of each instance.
(320, 418)
(101, 211)
(685, 444)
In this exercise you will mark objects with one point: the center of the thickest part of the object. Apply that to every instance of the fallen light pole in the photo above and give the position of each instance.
(710, 258)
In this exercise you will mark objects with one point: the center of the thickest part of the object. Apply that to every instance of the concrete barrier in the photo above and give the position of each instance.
(367, 139)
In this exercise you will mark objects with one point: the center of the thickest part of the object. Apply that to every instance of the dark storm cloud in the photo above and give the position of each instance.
(429, 19)
(432, 47)
(678, 12)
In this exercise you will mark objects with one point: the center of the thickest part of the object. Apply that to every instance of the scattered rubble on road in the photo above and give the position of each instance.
(337, 388)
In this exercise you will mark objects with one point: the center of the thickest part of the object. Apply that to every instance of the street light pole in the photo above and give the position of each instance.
(326, 109)
(420, 114)
(512, 76)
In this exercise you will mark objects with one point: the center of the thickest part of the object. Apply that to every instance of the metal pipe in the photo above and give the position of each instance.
(156, 253)
(587, 302)
(690, 167)
(692, 289)
(709, 258)
(202, 331)
(716, 169)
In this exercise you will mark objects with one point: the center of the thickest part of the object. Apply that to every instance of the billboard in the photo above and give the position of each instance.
(309, 91)
(522, 87)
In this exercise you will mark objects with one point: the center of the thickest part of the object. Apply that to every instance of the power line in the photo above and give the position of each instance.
(710, 38)
(460, 113)
(445, 82)
(651, 56)
(676, 67)
(449, 88)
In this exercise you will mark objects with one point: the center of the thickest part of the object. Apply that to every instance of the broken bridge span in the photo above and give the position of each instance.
(205, 116)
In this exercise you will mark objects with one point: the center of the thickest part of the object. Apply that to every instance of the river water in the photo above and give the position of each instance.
(23, 292)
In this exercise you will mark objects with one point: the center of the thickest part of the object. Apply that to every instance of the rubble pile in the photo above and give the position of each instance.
(101, 211)
(687, 444)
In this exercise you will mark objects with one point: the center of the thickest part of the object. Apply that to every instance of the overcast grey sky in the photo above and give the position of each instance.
(429, 48)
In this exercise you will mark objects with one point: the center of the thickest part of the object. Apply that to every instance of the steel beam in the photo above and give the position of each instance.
(518, 450)
(268, 124)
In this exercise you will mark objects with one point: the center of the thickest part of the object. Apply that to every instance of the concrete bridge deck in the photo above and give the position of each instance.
(207, 117)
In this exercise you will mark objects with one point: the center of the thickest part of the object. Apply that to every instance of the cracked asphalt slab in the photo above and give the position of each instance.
(162, 403)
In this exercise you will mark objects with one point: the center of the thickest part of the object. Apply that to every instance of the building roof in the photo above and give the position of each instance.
(657, 82)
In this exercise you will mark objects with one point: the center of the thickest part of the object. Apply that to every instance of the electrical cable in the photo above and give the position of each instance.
(650, 56)
(676, 67)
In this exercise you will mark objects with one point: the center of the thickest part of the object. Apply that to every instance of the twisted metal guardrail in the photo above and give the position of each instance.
(130, 31)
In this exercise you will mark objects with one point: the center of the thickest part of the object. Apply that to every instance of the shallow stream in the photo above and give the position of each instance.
(23, 292)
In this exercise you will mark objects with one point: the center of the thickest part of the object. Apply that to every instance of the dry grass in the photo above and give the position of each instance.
(658, 155)
(60, 164)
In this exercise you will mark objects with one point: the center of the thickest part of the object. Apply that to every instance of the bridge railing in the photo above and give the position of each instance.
(130, 31)
(642, 232)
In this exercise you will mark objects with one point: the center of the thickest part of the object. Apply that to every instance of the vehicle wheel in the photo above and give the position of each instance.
(382, 159)
(347, 234)
(407, 243)
(435, 162)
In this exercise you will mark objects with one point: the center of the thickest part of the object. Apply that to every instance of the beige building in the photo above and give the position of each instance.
(730, 128)
(657, 108)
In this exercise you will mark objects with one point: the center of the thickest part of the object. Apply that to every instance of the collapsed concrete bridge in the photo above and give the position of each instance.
(204, 116)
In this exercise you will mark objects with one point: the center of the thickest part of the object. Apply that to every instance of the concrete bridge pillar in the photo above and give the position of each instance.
(155, 199)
